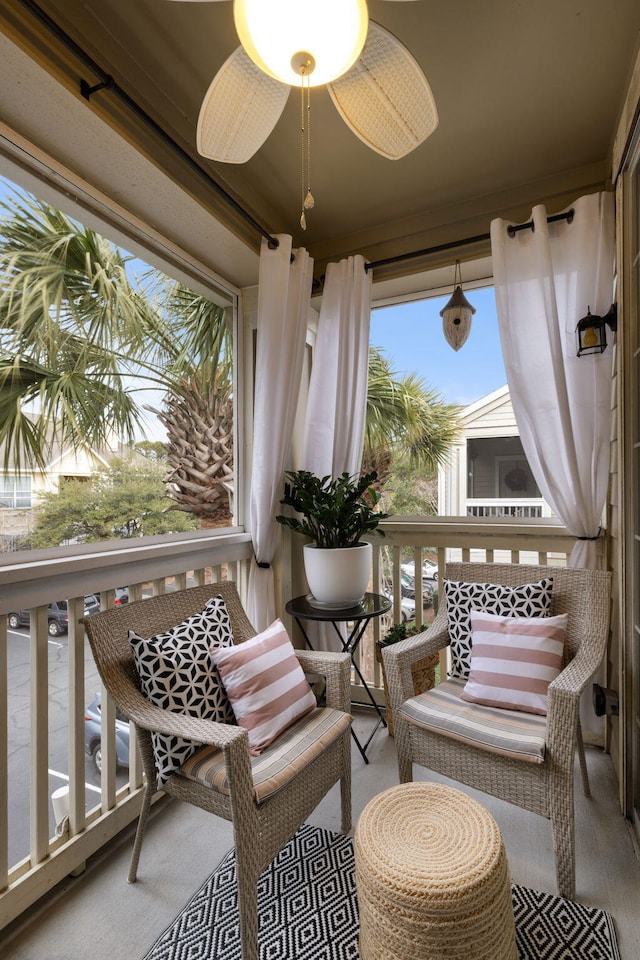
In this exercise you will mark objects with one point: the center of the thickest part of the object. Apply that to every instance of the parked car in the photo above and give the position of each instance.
(93, 735)
(429, 570)
(58, 615)
(122, 596)
(407, 606)
(407, 609)
(408, 588)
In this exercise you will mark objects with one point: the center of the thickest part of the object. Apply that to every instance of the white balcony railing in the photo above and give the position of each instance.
(46, 682)
(526, 509)
(508, 540)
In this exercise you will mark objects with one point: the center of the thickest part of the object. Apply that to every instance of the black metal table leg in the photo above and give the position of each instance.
(360, 615)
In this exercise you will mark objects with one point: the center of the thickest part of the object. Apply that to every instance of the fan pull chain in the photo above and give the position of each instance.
(307, 201)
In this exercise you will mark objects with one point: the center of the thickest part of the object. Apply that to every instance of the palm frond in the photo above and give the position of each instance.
(71, 409)
(57, 272)
(406, 415)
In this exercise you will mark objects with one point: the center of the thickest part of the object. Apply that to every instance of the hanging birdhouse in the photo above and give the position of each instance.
(456, 315)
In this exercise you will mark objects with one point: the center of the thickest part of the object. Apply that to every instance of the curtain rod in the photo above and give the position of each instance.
(108, 83)
(512, 230)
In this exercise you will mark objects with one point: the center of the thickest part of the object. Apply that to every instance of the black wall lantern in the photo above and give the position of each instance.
(591, 331)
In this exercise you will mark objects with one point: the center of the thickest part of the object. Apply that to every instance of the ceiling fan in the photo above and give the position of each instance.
(376, 85)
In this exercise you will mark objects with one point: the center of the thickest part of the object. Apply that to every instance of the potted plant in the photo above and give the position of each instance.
(423, 672)
(335, 514)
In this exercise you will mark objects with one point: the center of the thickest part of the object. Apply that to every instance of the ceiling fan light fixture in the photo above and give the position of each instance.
(280, 34)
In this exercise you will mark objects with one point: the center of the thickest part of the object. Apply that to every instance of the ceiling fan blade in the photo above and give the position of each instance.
(239, 111)
(385, 98)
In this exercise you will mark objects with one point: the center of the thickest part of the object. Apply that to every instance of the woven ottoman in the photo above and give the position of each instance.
(432, 878)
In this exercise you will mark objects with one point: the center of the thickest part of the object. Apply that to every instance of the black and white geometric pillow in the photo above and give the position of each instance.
(527, 600)
(176, 673)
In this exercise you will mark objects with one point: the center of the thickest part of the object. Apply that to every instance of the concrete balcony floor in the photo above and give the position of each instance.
(98, 915)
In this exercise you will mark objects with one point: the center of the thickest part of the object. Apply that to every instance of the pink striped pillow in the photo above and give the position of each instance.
(265, 684)
(514, 659)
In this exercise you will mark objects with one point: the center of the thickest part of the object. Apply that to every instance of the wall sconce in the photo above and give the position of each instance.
(591, 331)
(605, 701)
(456, 314)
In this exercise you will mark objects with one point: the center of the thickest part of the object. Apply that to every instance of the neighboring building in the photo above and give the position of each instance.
(21, 487)
(488, 474)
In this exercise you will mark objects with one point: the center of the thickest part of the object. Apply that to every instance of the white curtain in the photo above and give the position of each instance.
(545, 279)
(337, 403)
(284, 293)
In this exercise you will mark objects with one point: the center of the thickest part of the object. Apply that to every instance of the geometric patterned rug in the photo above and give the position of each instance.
(308, 911)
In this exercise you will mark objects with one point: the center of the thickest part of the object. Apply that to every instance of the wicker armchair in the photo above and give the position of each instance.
(261, 827)
(544, 787)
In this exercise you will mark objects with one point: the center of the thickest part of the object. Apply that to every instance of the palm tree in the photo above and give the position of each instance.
(198, 417)
(69, 319)
(77, 339)
(198, 408)
(405, 420)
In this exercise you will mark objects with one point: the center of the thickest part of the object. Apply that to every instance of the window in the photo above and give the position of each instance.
(151, 356)
(15, 492)
(497, 467)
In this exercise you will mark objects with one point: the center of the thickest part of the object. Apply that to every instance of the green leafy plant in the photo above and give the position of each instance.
(334, 513)
(399, 631)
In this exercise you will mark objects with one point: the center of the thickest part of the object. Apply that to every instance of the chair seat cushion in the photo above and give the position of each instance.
(511, 733)
(280, 762)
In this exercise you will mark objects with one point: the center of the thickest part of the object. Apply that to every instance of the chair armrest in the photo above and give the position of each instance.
(148, 716)
(563, 705)
(399, 657)
(336, 670)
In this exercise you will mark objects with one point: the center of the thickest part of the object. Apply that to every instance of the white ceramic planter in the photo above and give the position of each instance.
(337, 577)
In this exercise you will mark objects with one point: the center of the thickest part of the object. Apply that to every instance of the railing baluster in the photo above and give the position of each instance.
(376, 587)
(397, 592)
(417, 584)
(39, 745)
(108, 749)
(135, 592)
(75, 644)
(107, 599)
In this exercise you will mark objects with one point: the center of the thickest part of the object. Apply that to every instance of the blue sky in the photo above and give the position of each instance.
(411, 336)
